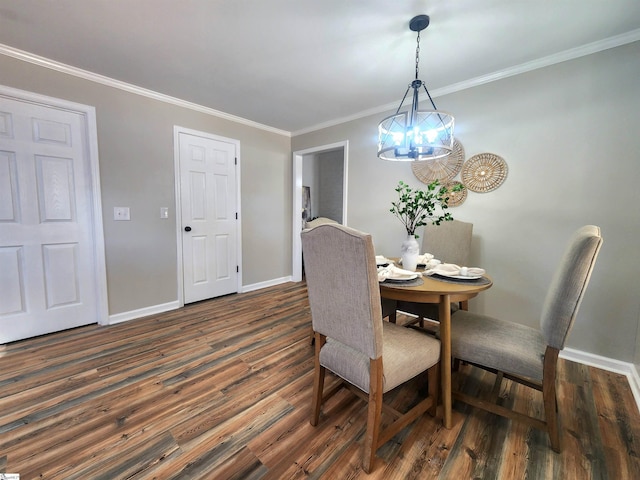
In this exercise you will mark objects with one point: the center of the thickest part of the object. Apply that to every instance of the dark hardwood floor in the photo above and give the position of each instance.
(222, 390)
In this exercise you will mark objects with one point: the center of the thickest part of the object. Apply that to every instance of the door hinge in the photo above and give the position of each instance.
(236, 215)
(237, 269)
(235, 160)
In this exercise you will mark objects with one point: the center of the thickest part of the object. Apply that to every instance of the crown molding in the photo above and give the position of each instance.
(127, 87)
(571, 54)
(588, 49)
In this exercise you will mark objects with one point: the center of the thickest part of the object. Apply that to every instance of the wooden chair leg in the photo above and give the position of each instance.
(373, 415)
(318, 381)
(549, 397)
(551, 416)
(434, 383)
(456, 364)
(495, 391)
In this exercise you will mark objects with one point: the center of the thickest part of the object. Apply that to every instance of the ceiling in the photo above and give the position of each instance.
(294, 65)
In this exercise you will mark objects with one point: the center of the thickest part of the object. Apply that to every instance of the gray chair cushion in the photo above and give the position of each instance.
(498, 344)
(406, 354)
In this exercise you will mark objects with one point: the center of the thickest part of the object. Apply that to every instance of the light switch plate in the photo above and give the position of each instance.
(121, 213)
(164, 212)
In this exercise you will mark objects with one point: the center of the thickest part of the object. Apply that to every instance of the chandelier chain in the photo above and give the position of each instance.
(417, 54)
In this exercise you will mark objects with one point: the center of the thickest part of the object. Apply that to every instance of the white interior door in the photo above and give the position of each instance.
(47, 277)
(209, 216)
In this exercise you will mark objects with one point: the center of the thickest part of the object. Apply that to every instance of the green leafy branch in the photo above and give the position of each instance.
(416, 208)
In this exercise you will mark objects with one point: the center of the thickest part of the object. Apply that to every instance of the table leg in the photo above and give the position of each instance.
(444, 308)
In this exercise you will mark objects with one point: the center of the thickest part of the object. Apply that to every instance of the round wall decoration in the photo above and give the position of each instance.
(484, 172)
(456, 198)
(442, 169)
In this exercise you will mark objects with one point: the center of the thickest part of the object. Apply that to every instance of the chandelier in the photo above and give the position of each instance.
(416, 134)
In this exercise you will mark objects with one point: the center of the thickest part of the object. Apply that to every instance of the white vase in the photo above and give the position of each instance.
(409, 253)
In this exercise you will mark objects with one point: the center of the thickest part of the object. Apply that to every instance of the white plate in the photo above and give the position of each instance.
(402, 277)
(459, 277)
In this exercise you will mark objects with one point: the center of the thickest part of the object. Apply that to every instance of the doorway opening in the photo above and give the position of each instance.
(325, 168)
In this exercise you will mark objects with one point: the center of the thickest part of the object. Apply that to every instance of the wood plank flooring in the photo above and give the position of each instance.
(222, 390)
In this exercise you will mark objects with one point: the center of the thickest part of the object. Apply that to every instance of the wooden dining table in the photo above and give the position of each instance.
(443, 293)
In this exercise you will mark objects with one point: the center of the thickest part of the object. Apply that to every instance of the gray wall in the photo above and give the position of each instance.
(331, 181)
(324, 173)
(636, 357)
(570, 135)
(135, 137)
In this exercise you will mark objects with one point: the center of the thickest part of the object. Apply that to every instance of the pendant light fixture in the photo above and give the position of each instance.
(416, 134)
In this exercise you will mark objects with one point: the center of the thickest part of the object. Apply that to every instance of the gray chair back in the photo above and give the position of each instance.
(450, 242)
(342, 280)
(569, 284)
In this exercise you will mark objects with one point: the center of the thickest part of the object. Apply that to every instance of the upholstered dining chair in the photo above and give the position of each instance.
(352, 341)
(449, 242)
(529, 355)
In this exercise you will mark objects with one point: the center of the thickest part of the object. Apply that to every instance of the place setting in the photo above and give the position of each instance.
(389, 273)
(449, 272)
(428, 266)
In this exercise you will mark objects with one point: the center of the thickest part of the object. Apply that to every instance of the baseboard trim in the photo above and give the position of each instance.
(165, 307)
(268, 283)
(610, 364)
(142, 312)
(634, 383)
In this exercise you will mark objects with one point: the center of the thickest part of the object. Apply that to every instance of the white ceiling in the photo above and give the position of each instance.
(297, 64)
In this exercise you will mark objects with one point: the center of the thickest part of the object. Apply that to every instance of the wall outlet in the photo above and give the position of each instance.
(121, 213)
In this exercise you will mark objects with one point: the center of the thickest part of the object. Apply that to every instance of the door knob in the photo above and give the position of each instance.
(187, 228)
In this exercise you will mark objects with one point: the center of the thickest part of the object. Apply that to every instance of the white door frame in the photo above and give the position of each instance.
(177, 130)
(88, 113)
(297, 199)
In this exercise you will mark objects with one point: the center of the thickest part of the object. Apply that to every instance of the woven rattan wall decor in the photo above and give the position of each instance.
(442, 169)
(456, 198)
(484, 172)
